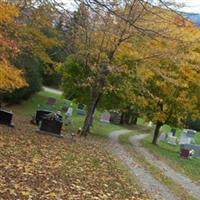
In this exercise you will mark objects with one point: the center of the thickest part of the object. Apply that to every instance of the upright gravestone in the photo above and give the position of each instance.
(187, 137)
(6, 118)
(51, 123)
(115, 117)
(173, 130)
(80, 109)
(105, 117)
(172, 140)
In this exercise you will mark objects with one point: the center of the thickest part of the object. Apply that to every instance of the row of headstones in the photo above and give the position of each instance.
(187, 143)
(80, 108)
(113, 117)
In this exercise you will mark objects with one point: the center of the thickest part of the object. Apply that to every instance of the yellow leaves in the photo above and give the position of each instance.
(159, 116)
(10, 78)
(8, 12)
(43, 167)
(145, 73)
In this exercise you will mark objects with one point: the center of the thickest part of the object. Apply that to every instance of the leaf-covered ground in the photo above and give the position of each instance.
(43, 167)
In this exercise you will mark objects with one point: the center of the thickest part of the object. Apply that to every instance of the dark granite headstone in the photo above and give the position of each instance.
(51, 125)
(115, 117)
(80, 109)
(173, 130)
(6, 118)
(40, 114)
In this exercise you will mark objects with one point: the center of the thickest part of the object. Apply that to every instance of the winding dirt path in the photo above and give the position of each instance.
(153, 187)
(185, 182)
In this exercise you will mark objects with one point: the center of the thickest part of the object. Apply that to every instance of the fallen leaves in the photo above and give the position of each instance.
(38, 167)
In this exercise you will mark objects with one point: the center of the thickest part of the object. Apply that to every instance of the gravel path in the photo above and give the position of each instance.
(154, 188)
(182, 180)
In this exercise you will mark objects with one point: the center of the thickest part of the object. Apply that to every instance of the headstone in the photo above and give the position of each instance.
(173, 130)
(40, 114)
(80, 109)
(64, 109)
(172, 140)
(190, 133)
(51, 125)
(69, 112)
(115, 117)
(195, 148)
(185, 140)
(170, 134)
(187, 137)
(162, 137)
(51, 101)
(185, 153)
(6, 118)
(105, 117)
(150, 124)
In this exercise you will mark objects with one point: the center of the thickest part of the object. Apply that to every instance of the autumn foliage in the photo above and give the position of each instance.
(10, 77)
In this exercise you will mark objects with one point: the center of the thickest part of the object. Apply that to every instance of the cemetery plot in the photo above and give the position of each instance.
(6, 118)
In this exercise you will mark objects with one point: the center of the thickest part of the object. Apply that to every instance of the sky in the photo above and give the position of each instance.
(190, 5)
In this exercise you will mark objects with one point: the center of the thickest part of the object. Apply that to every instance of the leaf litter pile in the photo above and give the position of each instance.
(43, 167)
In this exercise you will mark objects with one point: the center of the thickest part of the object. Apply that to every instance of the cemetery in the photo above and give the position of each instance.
(99, 100)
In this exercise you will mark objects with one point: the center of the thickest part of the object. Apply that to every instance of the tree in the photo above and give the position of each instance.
(107, 31)
(10, 77)
(172, 87)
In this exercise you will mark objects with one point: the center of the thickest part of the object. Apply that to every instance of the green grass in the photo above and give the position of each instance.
(170, 154)
(39, 100)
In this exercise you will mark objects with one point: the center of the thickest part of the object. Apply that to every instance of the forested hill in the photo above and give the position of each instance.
(194, 17)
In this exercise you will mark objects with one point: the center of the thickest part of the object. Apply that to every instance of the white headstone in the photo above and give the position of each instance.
(69, 112)
(169, 134)
(172, 140)
(150, 124)
(105, 117)
(185, 140)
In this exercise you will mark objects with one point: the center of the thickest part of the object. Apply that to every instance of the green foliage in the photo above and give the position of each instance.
(74, 79)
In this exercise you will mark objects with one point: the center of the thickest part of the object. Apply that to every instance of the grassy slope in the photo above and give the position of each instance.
(28, 108)
(37, 166)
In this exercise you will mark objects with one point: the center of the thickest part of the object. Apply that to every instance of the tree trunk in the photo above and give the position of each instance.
(89, 117)
(156, 132)
(96, 93)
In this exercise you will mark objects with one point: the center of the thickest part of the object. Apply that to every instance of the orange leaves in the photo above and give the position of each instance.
(35, 166)
(10, 78)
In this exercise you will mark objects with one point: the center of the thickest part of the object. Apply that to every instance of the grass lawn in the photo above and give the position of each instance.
(28, 108)
(170, 154)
